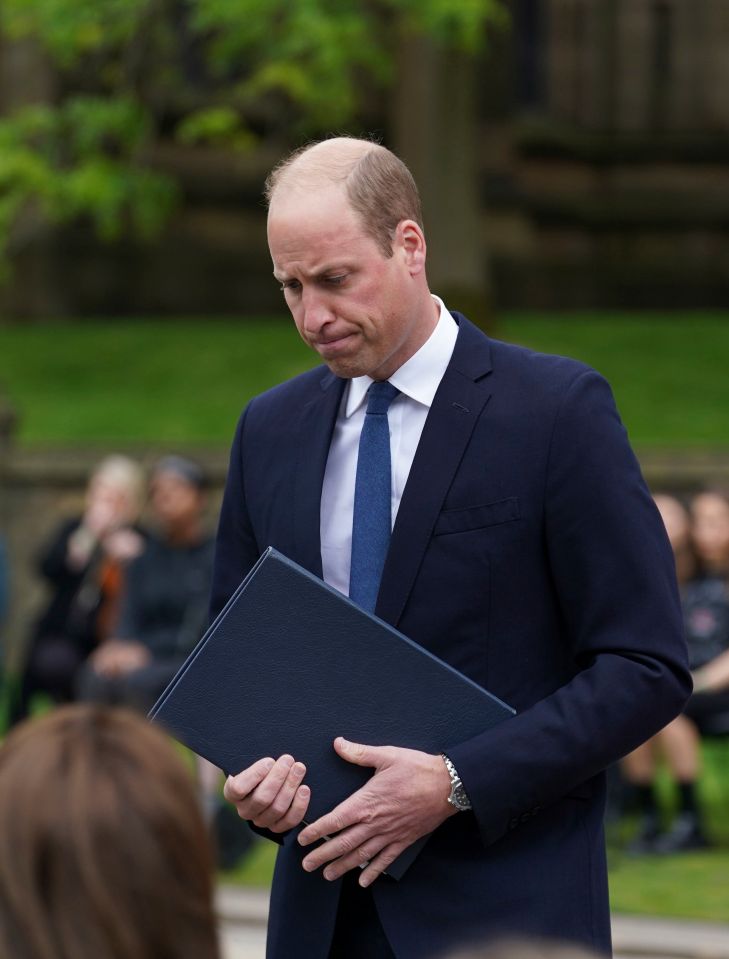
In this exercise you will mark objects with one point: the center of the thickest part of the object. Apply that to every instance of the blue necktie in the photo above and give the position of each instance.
(372, 518)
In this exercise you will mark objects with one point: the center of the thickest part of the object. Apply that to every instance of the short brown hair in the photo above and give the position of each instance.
(379, 187)
(526, 948)
(103, 850)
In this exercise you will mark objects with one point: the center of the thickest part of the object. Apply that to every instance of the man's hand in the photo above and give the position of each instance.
(270, 794)
(406, 798)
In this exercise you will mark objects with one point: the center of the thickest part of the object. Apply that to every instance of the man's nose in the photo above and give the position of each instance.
(316, 312)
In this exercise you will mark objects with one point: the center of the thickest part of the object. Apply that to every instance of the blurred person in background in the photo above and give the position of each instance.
(114, 862)
(163, 608)
(700, 541)
(84, 565)
(163, 614)
(4, 582)
(4, 601)
(710, 532)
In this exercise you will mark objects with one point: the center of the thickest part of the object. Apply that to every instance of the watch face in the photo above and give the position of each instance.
(461, 798)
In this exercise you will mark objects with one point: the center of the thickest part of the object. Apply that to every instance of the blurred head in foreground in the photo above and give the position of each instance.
(526, 949)
(103, 852)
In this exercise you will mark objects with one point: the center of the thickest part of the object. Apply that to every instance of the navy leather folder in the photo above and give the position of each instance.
(290, 663)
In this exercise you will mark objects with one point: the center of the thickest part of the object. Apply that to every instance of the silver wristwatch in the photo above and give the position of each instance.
(458, 797)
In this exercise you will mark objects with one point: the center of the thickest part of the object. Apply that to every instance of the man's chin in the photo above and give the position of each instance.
(346, 369)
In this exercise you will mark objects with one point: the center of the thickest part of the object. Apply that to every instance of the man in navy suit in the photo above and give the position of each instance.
(525, 550)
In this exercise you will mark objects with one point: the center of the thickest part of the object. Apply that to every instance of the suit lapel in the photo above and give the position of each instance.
(457, 405)
(315, 427)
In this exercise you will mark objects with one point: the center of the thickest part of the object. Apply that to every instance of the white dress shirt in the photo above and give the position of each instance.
(417, 379)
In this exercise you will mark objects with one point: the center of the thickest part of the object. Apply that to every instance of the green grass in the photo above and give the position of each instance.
(691, 885)
(142, 381)
(256, 869)
(185, 381)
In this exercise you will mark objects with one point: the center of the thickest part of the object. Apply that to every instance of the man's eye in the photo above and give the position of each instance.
(290, 285)
(336, 280)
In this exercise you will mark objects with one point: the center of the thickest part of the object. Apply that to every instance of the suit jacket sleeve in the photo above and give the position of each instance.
(614, 577)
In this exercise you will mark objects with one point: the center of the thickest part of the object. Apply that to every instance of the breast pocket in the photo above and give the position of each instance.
(477, 517)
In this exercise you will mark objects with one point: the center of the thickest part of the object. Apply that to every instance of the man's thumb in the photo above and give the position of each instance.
(358, 753)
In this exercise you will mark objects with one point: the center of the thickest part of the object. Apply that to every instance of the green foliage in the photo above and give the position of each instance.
(80, 159)
(215, 125)
(73, 29)
(212, 71)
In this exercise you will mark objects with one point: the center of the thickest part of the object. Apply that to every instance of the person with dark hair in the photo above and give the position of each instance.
(165, 597)
(163, 614)
(4, 605)
(103, 852)
(84, 565)
(524, 949)
(707, 614)
(4, 582)
(699, 549)
(484, 500)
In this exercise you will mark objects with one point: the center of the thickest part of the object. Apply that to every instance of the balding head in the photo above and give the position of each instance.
(378, 186)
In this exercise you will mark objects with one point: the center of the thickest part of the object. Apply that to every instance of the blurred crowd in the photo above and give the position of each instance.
(126, 601)
(698, 530)
(127, 587)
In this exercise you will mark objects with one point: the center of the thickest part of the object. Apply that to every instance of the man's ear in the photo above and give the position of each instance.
(410, 242)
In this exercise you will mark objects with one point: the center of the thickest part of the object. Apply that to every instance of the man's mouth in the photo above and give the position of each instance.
(333, 343)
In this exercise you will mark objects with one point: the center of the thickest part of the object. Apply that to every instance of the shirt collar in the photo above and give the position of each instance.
(420, 376)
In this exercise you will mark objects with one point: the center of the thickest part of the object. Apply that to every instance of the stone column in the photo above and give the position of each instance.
(633, 65)
(565, 54)
(716, 65)
(436, 128)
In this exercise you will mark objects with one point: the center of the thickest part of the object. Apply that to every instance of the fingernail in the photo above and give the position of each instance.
(329, 875)
(364, 882)
(287, 761)
(299, 768)
(307, 866)
(269, 764)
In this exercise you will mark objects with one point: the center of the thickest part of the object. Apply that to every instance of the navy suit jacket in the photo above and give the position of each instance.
(527, 552)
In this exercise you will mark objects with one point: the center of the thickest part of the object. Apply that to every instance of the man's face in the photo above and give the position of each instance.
(357, 308)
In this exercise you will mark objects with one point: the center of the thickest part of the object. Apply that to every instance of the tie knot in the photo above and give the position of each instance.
(379, 396)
